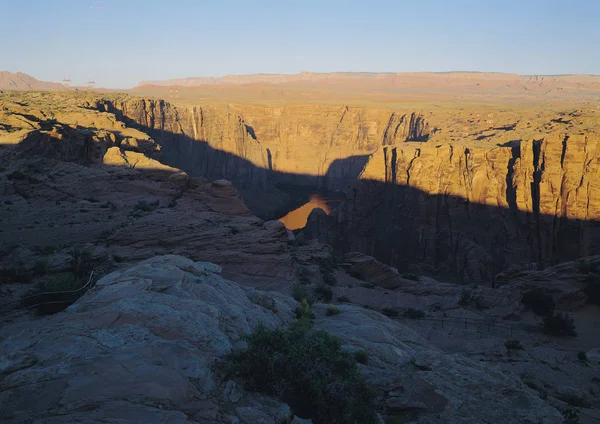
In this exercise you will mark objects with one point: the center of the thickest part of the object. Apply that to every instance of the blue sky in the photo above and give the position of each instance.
(121, 42)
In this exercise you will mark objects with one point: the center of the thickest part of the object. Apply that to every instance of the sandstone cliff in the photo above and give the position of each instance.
(257, 147)
(473, 211)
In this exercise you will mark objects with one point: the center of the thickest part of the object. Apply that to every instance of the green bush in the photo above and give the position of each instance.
(540, 303)
(332, 310)
(466, 297)
(582, 356)
(410, 276)
(16, 175)
(413, 313)
(81, 262)
(513, 345)
(561, 325)
(299, 293)
(304, 310)
(324, 292)
(50, 297)
(144, 206)
(390, 312)
(308, 370)
(361, 356)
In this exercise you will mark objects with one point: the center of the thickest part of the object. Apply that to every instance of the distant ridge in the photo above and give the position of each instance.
(21, 81)
(384, 78)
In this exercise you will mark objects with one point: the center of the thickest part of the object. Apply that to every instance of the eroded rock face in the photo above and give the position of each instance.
(256, 147)
(473, 212)
(140, 344)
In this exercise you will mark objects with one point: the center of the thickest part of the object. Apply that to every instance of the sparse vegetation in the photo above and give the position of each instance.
(571, 416)
(304, 311)
(413, 313)
(390, 312)
(81, 262)
(144, 206)
(513, 345)
(17, 175)
(582, 356)
(344, 299)
(55, 294)
(540, 303)
(410, 276)
(328, 267)
(299, 293)
(361, 356)
(324, 292)
(466, 297)
(573, 399)
(234, 230)
(332, 310)
(308, 370)
(559, 324)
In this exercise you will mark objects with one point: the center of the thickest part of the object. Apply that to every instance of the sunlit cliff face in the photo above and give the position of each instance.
(297, 218)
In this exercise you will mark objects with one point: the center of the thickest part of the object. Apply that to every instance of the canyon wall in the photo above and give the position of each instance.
(473, 211)
(261, 147)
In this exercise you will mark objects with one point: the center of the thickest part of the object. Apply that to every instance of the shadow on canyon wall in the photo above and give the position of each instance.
(405, 227)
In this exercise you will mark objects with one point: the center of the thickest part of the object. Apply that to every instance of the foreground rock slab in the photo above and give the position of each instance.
(139, 347)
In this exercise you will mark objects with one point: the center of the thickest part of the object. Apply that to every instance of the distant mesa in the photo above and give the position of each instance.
(389, 79)
(21, 81)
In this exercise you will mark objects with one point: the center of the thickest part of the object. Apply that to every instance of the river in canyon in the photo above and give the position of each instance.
(297, 218)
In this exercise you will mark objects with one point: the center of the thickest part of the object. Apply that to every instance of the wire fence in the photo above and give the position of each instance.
(84, 289)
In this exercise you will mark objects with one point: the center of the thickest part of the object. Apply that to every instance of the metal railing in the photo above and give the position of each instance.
(84, 288)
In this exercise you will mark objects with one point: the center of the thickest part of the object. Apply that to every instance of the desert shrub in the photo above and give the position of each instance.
(144, 206)
(308, 370)
(571, 416)
(361, 356)
(413, 313)
(50, 296)
(299, 293)
(81, 262)
(16, 175)
(540, 303)
(466, 297)
(558, 324)
(234, 230)
(332, 310)
(40, 267)
(593, 289)
(410, 276)
(304, 310)
(513, 345)
(582, 356)
(324, 292)
(344, 299)
(589, 267)
(18, 274)
(390, 312)
(480, 303)
(573, 399)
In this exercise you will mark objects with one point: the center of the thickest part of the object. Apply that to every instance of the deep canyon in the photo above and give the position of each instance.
(453, 192)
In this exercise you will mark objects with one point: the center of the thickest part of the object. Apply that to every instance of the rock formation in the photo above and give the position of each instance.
(21, 81)
(141, 346)
(474, 211)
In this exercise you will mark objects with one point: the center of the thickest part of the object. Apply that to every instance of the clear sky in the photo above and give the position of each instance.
(121, 42)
